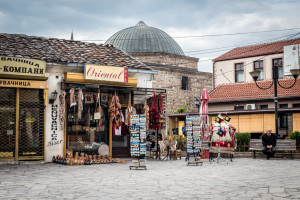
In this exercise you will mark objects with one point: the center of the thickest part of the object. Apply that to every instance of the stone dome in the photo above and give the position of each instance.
(142, 38)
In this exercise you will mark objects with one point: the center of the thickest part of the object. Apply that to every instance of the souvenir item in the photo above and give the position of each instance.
(80, 98)
(115, 111)
(72, 97)
(161, 110)
(62, 97)
(154, 115)
(89, 98)
(128, 112)
(146, 112)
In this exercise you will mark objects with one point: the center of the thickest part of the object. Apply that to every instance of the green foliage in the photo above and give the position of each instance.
(295, 135)
(243, 139)
(182, 109)
(181, 141)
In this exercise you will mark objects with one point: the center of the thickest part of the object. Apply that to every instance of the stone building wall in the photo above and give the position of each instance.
(167, 59)
(170, 79)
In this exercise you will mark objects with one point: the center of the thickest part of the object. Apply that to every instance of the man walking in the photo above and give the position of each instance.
(269, 143)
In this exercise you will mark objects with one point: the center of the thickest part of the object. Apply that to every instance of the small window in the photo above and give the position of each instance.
(238, 107)
(184, 83)
(278, 64)
(296, 105)
(239, 72)
(259, 65)
(263, 107)
(283, 105)
(283, 121)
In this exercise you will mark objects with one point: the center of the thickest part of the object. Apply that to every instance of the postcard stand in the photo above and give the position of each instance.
(138, 141)
(193, 130)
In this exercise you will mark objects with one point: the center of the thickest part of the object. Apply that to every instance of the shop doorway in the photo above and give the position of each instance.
(21, 124)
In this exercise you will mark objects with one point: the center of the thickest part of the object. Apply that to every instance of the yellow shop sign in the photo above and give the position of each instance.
(105, 73)
(22, 66)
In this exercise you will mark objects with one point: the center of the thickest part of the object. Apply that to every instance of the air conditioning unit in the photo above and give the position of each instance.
(250, 106)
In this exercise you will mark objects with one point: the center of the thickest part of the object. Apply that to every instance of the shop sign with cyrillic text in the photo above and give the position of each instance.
(105, 73)
(22, 66)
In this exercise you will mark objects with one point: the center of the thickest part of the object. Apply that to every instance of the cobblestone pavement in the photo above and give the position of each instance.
(244, 178)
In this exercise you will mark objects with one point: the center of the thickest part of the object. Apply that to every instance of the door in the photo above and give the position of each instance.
(21, 124)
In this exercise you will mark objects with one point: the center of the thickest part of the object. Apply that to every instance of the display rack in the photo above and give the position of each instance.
(138, 141)
(193, 131)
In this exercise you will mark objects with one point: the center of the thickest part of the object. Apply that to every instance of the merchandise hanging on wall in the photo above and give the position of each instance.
(161, 111)
(146, 112)
(72, 97)
(62, 110)
(129, 111)
(115, 110)
(80, 106)
(154, 115)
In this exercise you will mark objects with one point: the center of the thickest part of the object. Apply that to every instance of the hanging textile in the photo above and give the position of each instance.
(62, 110)
(115, 110)
(99, 111)
(154, 115)
(80, 98)
(146, 112)
(88, 98)
(72, 97)
(129, 111)
(161, 110)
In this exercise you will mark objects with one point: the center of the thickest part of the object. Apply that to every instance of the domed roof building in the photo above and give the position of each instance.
(176, 72)
(143, 38)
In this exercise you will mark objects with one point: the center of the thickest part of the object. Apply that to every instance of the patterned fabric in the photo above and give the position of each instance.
(62, 110)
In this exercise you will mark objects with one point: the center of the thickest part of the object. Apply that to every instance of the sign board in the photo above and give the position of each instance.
(291, 58)
(23, 83)
(22, 66)
(105, 73)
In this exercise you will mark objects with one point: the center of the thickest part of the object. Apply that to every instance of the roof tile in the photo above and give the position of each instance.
(257, 50)
(249, 91)
(55, 50)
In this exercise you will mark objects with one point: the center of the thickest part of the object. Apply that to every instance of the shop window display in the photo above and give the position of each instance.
(87, 120)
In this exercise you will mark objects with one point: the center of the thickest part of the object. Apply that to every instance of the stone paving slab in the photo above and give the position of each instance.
(244, 178)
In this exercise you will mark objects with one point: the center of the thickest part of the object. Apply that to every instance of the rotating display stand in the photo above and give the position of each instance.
(138, 141)
(193, 132)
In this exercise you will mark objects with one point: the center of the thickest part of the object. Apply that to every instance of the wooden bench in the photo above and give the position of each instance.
(281, 145)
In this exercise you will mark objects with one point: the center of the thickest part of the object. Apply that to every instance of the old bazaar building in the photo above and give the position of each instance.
(33, 69)
(176, 72)
(251, 108)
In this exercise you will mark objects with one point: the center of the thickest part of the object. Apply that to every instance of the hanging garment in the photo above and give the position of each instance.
(161, 110)
(118, 130)
(80, 107)
(62, 110)
(154, 115)
(146, 112)
(72, 97)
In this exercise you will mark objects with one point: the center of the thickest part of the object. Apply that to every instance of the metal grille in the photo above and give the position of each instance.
(31, 123)
(7, 122)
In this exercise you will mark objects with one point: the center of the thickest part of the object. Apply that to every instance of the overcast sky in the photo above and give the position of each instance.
(181, 19)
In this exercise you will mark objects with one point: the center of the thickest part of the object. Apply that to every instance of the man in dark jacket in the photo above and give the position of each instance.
(269, 143)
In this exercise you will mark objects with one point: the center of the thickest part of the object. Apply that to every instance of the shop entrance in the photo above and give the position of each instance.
(21, 124)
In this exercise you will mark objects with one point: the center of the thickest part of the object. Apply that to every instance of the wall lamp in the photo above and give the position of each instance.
(53, 97)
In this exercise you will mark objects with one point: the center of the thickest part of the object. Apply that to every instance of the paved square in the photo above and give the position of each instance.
(244, 178)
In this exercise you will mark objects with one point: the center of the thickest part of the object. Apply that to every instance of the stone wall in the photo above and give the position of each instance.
(170, 79)
(167, 59)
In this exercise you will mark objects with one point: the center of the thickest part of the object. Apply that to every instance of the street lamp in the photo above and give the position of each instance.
(197, 103)
(255, 75)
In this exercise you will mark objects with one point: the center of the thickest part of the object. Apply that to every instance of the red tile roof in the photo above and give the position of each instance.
(54, 50)
(248, 91)
(257, 50)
